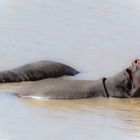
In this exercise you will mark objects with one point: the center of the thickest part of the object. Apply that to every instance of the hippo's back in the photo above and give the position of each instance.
(56, 88)
(37, 71)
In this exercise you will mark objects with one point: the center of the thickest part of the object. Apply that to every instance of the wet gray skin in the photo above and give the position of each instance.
(56, 88)
(37, 71)
(121, 85)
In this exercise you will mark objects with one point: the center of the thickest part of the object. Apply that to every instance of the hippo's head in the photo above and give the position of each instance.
(133, 75)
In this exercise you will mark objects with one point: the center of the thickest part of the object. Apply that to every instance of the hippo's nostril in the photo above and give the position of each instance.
(136, 61)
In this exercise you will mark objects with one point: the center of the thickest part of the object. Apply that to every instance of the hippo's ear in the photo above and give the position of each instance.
(128, 73)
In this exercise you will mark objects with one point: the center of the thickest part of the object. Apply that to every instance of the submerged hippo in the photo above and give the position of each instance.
(37, 71)
(122, 85)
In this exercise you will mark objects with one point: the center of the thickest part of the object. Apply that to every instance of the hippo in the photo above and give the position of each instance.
(122, 85)
(37, 71)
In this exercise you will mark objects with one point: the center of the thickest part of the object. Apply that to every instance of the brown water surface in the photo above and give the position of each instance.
(98, 118)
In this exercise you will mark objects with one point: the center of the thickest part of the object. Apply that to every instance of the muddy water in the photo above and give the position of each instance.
(74, 119)
(97, 37)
